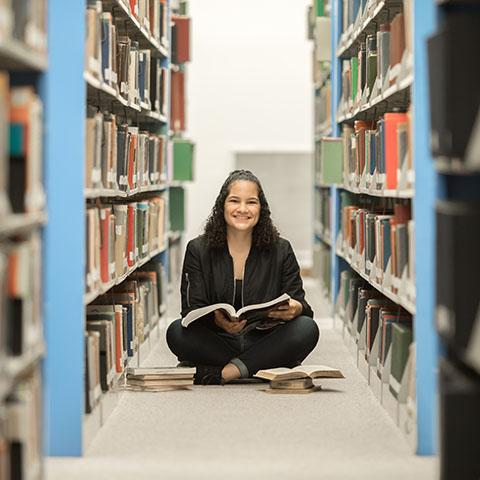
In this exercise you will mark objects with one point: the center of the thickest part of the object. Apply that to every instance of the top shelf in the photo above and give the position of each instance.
(135, 29)
(376, 12)
(15, 55)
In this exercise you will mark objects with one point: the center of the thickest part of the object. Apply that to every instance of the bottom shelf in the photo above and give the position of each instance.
(403, 413)
(94, 421)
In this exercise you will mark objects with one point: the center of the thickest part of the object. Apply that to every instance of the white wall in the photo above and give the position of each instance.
(249, 89)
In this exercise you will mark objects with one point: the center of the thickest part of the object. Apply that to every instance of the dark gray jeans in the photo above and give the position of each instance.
(286, 345)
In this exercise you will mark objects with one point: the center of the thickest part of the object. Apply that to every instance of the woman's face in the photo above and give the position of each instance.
(242, 206)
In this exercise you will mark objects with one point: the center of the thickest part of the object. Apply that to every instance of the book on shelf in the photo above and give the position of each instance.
(323, 51)
(300, 372)
(106, 353)
(4, 142)
(92, 370)
(452, 116)
(23, 414)
(177, 101)
(458, 260)
(402, 337)
(459, 397)
(23, 328)
(183, 159)
(26, 22)
(330, 161)
(180, 38)
(26, 139)
(115, 315)
(254, 314)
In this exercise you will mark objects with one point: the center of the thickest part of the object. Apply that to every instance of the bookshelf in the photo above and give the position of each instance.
(452, 148)
(368, 160)
(115, 161)
(23, 210)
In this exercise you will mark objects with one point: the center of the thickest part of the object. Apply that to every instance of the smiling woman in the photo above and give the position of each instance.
(242, 260)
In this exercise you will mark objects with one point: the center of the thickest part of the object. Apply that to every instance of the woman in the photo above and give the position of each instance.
(241, 260)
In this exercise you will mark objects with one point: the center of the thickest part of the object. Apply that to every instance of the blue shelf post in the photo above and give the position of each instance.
(424, 215)
(335, 81)
(64, 237)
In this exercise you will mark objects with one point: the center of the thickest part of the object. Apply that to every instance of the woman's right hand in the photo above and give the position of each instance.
(228, 326)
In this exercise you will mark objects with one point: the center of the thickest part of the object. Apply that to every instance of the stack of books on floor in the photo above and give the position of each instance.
(298, 379)
(158, 378)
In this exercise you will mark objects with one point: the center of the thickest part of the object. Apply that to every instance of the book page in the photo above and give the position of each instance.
(315, 371)
(200, 312)
(263, 307)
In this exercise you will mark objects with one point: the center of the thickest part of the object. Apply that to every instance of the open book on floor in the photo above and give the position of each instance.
(302, 371)
(255, 314)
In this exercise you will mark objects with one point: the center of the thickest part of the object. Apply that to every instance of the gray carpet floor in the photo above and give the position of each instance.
(239, 431)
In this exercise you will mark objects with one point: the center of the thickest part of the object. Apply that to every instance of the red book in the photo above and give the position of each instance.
(178, 101)
(118, 339)
(182, 22)
(132, 157)
(104, 244)
(391, 147)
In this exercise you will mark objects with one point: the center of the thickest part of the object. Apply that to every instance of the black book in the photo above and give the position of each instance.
(453, 82)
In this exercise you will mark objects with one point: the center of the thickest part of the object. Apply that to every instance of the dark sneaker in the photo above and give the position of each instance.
(208, 375)
(185, 364)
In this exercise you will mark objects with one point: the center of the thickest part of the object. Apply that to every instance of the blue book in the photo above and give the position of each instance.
(105, 46)
(141, 75)
(387, 250)
(373, 152)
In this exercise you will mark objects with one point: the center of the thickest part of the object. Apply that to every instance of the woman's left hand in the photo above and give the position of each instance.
(287, 312)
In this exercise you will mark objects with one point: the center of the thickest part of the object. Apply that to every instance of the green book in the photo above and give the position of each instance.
(319, 8)
(331, 154)
(177, 209)
(402, 337)
(183, 157)
(354, 74)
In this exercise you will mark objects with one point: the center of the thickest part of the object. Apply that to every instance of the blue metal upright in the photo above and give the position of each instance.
(424, 215)
(335, 81)
(64, 239)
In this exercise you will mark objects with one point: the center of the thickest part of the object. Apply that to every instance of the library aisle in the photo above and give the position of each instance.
(238, 431)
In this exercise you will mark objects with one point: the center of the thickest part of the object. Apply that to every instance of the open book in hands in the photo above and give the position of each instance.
(256, 315)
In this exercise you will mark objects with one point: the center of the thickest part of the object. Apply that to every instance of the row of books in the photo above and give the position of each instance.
(117, 324)
(120, 156)
(21, 132)
(379, 154)
(132, 72)
(120, 235)
(373, 157)
(24, 22)
(322, 261)
(321, 212)
(379, 327)
(21, 327)
(377, 65)
(20, 429)
(379, 239)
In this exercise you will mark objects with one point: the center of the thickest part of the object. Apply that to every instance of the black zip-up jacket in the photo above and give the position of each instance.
(207, 276)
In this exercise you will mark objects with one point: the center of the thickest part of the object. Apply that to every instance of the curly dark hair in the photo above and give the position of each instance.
(264, 234)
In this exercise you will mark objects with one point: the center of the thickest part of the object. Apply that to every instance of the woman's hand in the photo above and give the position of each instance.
(287, 312)
(224, 323)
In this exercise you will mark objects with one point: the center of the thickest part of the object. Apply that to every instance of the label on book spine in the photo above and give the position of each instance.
(96, 175)
(118, 229)
(111, 269)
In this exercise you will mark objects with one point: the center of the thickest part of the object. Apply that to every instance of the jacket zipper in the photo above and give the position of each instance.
(188, 288)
